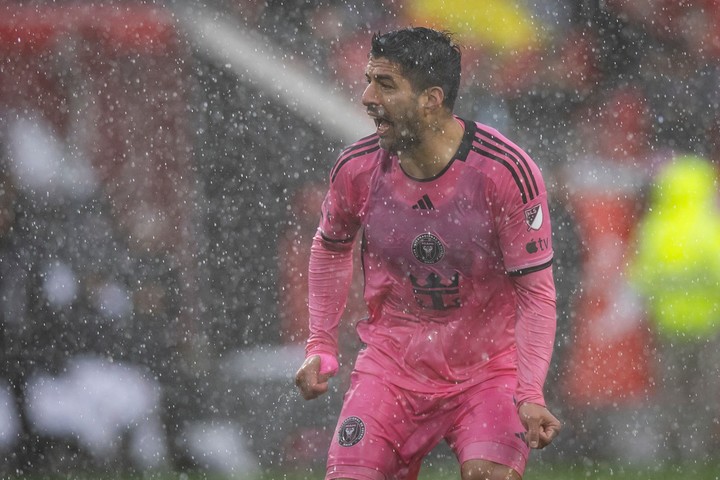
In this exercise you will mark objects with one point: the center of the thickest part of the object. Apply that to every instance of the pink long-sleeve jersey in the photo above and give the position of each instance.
(457, 267)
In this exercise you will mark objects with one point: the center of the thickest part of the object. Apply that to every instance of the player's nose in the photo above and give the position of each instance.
(369, 96)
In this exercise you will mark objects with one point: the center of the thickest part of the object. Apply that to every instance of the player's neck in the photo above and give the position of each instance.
(435, 150)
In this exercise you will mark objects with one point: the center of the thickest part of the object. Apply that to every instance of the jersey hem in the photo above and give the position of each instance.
(502, 363)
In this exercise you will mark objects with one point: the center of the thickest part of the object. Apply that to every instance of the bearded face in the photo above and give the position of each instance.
(393, 104)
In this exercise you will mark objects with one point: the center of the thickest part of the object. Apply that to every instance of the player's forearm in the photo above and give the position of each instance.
(535, 333)
(329, 279)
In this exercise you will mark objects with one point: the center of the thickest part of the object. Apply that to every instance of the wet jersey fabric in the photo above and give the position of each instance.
(439, 256)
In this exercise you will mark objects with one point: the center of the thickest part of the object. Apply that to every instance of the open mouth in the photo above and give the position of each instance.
(382, 125)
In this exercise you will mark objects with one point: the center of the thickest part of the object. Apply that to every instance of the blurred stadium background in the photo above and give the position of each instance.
(161, 166)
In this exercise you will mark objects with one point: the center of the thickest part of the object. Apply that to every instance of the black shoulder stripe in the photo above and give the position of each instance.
(516, 155)
(346, 159)
(362, 143)
(502, 161)
(536, 268)
(508, 156)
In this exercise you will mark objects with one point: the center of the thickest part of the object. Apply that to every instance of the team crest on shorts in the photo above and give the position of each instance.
(428, 248)
(351, 432)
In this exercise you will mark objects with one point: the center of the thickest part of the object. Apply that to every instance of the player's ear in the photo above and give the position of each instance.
(433, 98)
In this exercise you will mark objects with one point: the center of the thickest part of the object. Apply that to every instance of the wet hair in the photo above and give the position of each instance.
(427, 58)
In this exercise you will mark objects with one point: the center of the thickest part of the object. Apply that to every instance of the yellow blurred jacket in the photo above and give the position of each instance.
(677, 262)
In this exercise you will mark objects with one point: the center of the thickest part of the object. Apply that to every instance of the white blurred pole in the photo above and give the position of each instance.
(251, 57)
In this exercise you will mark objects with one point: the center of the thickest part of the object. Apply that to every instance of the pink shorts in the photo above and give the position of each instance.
(384, 432)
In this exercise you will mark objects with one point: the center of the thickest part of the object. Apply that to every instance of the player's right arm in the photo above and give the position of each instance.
(329, 279)
(331, 267)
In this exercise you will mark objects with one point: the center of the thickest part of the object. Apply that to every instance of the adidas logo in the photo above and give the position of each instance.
(424, 204)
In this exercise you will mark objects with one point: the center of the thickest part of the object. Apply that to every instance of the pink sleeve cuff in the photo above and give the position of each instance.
(536, 400)
(328, 364)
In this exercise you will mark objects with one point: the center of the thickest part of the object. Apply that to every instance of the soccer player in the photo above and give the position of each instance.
(457, 254)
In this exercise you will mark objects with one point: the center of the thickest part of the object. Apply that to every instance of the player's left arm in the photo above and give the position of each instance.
(525, 238)
(535, 336)
(534, 332)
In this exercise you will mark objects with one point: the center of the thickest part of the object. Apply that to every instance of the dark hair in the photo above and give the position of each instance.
(428, 58)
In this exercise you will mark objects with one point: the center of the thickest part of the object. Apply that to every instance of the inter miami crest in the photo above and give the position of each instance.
(534, 217)
(351, 432)
(428, 248)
